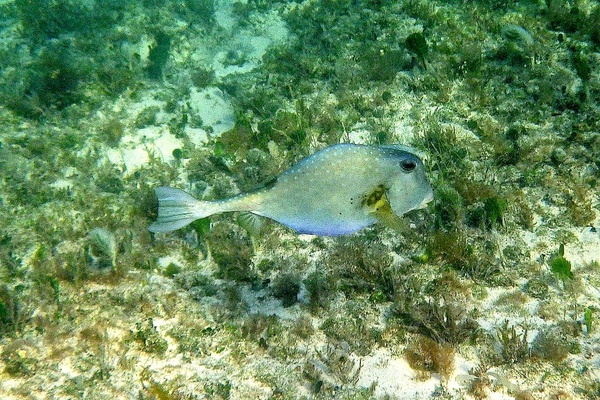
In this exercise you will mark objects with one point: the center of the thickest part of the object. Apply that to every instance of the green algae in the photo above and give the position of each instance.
(506, 113)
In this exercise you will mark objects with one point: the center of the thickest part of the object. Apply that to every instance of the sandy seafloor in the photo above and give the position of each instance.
(491, 292)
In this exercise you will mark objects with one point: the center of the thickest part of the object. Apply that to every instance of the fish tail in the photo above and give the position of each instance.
(176, 209)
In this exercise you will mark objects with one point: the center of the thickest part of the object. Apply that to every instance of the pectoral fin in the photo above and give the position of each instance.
(378, 205)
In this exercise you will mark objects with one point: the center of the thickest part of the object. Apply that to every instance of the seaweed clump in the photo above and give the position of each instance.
(286, 287)
(42, 20)
(416, 43)
(364, 267)
(11, 311)
(560, 266)
(232, 251)
(320, 288)
(148, 336)
(552, 344)
(333, 367)
(427, 356)
(514, 347)
(51, 82)
(102, 249)
(159, 55)
(436, 310)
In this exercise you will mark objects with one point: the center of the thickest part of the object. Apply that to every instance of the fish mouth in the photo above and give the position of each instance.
(426, 200)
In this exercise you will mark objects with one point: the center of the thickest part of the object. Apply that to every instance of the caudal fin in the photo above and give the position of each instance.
(176, 209)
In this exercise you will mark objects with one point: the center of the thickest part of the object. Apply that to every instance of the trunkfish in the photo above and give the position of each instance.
(334, 192)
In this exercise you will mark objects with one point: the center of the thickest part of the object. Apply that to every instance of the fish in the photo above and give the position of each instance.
(336, 191)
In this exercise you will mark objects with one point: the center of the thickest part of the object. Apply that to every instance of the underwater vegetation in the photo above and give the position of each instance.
(560, 266)
(425, 356)
(56, 72)
(491, 291)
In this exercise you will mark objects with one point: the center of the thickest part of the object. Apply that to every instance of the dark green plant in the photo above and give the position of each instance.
(551, 344)
(320, 288)
(335, 365)
(569, 17)
(192, 338)
(449, 210)
(11, 309)
(155, 390)
(441, 320)
(514, 347)
(480, 380)
(112, 132)
(232, 250)
(363, 266)
(50, 82)
(537, 287)
(201, 227)
(109, 179)
(220, 390)
(261, 329)
(383, 65)
(286, 287)
(53, 75)
(158, 56)
(495, 209)
(591, 387)
(560, 266)
(583, 66)
(199, 285)
(151, 341)
(360, 335)
(386, 96)
(453, 249)
(164, 389)
(48, 287)
(43, 20)
(202, 77)
(448, 154)
(580, 206)
(417, 44)
(593, 27)
(147, 117)
(199, 11)
(303, 327)
(588, 319)
(171, 270)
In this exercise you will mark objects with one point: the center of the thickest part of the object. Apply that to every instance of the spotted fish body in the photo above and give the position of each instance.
(336, 191)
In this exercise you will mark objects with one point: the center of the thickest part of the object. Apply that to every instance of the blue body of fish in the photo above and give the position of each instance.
(336, 191)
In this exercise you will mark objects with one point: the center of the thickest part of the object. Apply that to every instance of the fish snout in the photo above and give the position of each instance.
(426, 200)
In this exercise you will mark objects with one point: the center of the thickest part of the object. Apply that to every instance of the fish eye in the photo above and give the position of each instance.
(408, 165)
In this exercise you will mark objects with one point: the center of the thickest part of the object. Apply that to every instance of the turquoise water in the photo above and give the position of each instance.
(492, 291)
